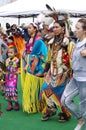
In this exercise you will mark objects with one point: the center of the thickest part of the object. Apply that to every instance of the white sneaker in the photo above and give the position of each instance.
(79, 126)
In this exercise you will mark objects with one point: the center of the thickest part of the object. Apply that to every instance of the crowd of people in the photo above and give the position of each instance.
(51, 64)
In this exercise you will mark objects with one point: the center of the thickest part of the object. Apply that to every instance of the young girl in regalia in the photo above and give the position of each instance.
(11, 79)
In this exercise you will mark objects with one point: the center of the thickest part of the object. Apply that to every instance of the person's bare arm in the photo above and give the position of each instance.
(83, 52)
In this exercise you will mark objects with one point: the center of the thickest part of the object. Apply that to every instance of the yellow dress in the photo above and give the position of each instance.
(31, 95)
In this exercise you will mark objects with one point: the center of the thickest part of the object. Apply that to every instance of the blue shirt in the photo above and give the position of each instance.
(79, 62)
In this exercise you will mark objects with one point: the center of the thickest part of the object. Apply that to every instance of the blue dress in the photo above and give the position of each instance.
(37, 57)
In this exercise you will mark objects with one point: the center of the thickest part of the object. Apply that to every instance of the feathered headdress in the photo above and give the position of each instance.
(59, 15)
(42, 19)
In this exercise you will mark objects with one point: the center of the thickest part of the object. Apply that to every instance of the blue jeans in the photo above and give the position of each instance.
(73, 89)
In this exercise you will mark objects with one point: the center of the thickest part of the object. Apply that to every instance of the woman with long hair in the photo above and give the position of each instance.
(37, 50)
(57, 76)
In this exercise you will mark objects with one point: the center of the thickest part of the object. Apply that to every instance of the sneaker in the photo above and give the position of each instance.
(49, 114)
(79, 126)
(9, 109)
(45, 117)
(10, 106)
(63, 117)
(16, 107)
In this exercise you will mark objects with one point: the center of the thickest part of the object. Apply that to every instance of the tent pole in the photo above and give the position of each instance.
(33, 18)
(18, 20)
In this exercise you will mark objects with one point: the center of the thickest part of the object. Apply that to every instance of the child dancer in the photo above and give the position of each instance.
(12, 64)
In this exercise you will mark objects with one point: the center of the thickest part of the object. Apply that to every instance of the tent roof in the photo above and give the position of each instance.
(26, 8)
(22, 8)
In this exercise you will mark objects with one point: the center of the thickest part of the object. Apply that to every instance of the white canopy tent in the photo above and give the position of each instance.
(25, 8)
(31, 8)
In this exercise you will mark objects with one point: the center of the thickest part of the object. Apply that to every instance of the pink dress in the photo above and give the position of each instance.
(11, 79)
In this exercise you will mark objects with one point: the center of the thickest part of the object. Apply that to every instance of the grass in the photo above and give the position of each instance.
(18, 120)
